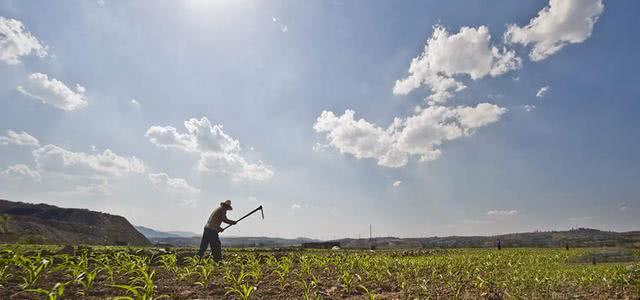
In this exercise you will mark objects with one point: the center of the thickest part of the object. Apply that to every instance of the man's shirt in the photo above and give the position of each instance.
(218, 216)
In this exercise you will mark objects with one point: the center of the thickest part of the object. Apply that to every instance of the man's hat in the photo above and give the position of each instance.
(227, 203)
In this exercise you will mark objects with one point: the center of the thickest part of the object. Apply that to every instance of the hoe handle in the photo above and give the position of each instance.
(253, 211)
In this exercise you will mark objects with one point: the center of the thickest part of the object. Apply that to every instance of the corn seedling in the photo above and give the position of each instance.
(416, 274)
(4, 275)
(243, 291)
(55, 293)
(169, 262)
(74, 268)
(255, 270)
(204, 273)
(32, 269)
(143, 286)
(370, 294)
(86, 280)
(283, 270)
(307, 288)
(347, 280)
(235, 280)
(282, 277)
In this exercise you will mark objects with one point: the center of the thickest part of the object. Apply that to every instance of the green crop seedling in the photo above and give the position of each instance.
(127, 273)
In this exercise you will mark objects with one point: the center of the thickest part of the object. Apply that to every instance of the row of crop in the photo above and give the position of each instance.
(517, 273)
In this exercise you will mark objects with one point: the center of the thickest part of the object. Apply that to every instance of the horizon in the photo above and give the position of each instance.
(423, 119)
(382, 237)
(197, 235)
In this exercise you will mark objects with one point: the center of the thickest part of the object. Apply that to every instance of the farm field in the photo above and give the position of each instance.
(50, 272)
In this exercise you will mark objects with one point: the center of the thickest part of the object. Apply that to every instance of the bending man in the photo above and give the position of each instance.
(211, 230)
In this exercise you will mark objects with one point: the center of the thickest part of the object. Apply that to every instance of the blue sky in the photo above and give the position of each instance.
(263, 87)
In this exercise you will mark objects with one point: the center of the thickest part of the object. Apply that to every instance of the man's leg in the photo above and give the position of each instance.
(204, 242)
(216, 247)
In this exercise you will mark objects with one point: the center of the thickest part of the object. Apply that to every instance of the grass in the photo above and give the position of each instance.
(34, 272)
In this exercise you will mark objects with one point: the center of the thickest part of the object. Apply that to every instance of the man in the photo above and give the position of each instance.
(212, 228)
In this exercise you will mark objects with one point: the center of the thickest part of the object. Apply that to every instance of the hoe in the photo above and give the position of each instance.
(255, 210)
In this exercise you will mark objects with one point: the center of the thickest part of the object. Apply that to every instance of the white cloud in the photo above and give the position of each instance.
(542, 91)
(235, 166)
(502, 212)
(15, 42)
(319, 147)
(283, 28)
(175, 185)
(22, 139)
(421, 134)
(52, 158)
(529, 107)
(296, 206)
(54, 92)
(562, 22)
(397, 183)
(201, 136)
(624, 208)
(91, 190)
(21, 172)
(468, 52)
(168, 137)
(360, 138)
(136, 103)
(219, 152)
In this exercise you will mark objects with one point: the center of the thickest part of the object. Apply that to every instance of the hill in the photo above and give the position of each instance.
(48, 224)
(186, 234)
(152, 233)
(234, 241)
(581, 237)
(190, 239)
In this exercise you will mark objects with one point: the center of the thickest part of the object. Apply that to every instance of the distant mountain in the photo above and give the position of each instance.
(151, 233)
(191, 239)
(581, 237)
(186, 234)
(48, 224)
(235, 241)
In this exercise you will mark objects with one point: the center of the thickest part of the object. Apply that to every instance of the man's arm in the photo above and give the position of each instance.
(227, 220)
